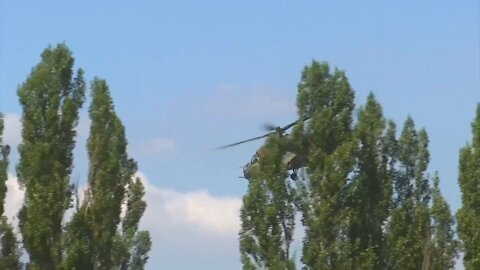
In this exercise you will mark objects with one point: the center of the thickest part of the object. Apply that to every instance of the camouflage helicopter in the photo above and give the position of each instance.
(292, 161)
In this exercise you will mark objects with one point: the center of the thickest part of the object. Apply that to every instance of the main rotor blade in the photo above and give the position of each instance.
(266, 135)
(268, 127)
(249, 140)
(285, 128)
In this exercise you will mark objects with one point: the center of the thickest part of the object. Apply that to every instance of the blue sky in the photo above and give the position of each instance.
(188, 76)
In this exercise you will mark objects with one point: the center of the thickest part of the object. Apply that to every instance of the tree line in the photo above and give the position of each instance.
(98, 235)
(365, 197)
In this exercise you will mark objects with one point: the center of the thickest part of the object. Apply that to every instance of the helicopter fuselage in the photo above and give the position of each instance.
(291, 162)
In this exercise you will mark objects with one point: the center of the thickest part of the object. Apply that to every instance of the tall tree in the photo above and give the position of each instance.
(4, 152)
(468, 215)
(409, 231)
(268, 213)
(97, 242)
(9, 252)
(111, 170)
(371, 190)
(137, 244)
(443, 249)
(329, 100)
(50, 98)
(78, 241)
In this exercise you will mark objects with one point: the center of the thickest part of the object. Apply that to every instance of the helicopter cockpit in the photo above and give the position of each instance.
(253, 162)
(254, 159)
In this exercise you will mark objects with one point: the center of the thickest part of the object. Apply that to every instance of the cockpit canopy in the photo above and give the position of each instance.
(251, 166)
(254, 159)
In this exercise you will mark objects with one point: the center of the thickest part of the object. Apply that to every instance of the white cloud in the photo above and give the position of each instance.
(198, 211)
(14, 198)
(156, 146)
(13, 130)
(251, 102)
(194, 224)
(167, 210)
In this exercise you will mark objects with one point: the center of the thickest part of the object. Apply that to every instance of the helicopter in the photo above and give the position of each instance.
(290, 160)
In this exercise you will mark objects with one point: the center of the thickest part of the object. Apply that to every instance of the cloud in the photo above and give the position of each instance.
(251, 102)
(13, 130)
(156, 146)
(196, 211)
(14, 198)
(195, 225)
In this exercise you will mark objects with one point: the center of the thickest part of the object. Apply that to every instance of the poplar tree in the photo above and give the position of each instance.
(443, 248)
(136, 243)
(329, 149)
(371, 190)
(4, 152)
(9, 252)
(50, 98)
(78, 241)
(99, 237)
(110, 172)
(408, 234)
(468, 215)
(268, 213)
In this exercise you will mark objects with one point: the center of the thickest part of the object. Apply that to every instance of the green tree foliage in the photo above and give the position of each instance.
(78, 242)
(4, 152)
(50, 98)
(94, 234)
(110, 172)
(468, 215)
(329, 99)
(443, 249)
(371, 190)
(137, 243)
(409, 228)
(268, 214)
(9, 252)
(139, 251)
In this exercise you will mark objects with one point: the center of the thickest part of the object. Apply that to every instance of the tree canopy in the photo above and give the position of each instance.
(365, 196)
(97, 236)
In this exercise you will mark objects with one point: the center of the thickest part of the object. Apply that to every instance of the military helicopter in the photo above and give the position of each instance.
(292, 161)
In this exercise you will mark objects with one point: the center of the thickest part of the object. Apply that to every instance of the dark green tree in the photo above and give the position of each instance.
(95, 237)
(9, 252)
(408, 234)
(468, 215)
(136, 243)
(371, 190)
(78, 241)
(140, 247)
(50, 98)
(443, 249)
(111, 170)
(268, 213)
(4, 152)
(329, 147)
